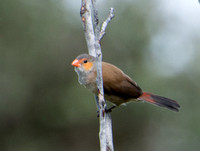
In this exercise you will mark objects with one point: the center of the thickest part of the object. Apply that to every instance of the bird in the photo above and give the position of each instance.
(119, 88)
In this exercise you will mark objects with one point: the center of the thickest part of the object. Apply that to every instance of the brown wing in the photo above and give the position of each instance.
(118, 86)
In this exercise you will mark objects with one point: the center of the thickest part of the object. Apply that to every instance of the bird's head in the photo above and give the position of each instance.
(84, 63)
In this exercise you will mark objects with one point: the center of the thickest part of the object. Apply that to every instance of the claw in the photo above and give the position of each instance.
(110, 109)
(106, 111)
(97, 113)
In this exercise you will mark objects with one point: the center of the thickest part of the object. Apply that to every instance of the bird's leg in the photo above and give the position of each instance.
(110, 109)
(107, 110)
(97, 102)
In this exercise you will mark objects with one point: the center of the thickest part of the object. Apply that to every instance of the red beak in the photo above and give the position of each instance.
(76, 63)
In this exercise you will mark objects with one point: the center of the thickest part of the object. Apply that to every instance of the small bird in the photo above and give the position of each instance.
(119, 88)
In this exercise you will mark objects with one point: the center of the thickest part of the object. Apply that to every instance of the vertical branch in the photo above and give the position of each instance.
(86, 18)
(96, 18)
(93, 38)
(105, 133)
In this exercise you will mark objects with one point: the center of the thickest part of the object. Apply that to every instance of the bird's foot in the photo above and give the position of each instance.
(106, 110)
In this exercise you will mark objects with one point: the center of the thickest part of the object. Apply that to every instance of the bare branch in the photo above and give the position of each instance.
(94, 48)
(96, 18)
(105, 23)
(105, 133)
(86, 17)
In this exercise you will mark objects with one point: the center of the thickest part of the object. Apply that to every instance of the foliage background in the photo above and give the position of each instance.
(42, 106)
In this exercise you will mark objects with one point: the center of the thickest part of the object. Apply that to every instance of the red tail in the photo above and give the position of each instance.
(160, 101)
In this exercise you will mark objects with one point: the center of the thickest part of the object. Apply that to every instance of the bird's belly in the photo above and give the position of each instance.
(92, 87)
(116, 100)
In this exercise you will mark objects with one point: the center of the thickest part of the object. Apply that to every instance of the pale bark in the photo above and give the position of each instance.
(93, 35)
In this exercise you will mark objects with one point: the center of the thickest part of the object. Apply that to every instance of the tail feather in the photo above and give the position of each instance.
(160, 101)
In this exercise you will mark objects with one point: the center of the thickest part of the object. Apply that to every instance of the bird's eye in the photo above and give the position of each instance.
(85, 61)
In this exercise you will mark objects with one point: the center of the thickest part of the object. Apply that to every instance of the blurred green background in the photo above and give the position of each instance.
(42, 105)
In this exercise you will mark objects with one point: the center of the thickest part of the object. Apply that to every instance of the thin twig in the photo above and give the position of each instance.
(105, 23)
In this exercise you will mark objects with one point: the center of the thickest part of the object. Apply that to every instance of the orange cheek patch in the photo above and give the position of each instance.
(88, 66)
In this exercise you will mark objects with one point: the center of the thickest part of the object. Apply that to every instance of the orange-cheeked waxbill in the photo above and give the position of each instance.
(118, 87)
